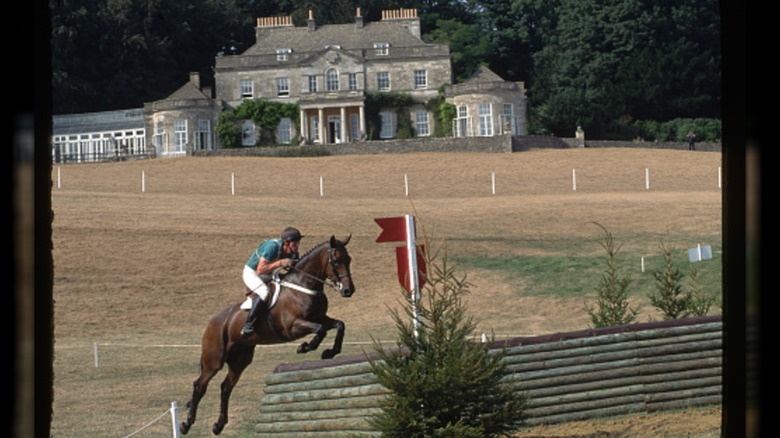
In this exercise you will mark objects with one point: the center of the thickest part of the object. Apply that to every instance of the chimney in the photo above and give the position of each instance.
(267, 24)
(406, 18)
(312, 24)
(195, 78)
(358, 19)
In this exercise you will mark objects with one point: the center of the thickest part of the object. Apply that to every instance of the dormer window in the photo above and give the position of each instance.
(381, 49)
(283, 54)
(333, 46)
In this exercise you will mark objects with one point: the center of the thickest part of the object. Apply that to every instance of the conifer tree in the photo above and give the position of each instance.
(444, 384)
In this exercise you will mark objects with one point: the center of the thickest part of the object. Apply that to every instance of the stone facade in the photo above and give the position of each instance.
(327, 70)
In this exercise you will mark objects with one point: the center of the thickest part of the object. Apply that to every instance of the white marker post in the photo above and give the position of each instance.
(647, 178)
(322, 187)
(406, 185)
(233, 183)
(143, 182)
(493, 182)
(573, 180)
(414, 280)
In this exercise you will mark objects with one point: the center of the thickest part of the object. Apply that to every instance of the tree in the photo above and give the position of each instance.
(443, 384)
(612, 306)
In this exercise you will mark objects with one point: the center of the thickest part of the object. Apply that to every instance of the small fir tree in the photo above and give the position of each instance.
(612, 306)
(443, 384)
(669, 296)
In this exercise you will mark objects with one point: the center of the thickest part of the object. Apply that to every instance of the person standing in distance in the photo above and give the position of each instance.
(271, 255)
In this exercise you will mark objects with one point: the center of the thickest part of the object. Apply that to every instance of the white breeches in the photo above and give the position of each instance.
(254, 283)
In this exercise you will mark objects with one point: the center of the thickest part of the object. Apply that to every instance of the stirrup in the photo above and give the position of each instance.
(245, 333)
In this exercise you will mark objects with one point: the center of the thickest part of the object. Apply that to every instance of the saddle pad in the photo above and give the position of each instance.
(275, 288)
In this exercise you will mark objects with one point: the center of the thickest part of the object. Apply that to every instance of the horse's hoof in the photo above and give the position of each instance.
(328, 354)
(303, 348)
(184, 428)
(217, 429)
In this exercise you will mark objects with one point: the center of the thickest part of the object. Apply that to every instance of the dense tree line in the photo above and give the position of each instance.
(600, 64)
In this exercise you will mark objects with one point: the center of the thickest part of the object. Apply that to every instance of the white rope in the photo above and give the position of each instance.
(167, 411)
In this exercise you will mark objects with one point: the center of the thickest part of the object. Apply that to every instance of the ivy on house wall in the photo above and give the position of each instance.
(263, 113)
(399, 103)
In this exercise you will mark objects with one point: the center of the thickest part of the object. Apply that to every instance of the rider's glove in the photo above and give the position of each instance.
(286, 263)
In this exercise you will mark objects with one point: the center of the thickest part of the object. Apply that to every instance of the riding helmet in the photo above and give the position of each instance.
(291, 234)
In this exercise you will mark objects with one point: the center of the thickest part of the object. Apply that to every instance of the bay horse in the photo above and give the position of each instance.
(300, 309)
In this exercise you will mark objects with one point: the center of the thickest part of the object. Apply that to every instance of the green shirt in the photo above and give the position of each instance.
(270, 250)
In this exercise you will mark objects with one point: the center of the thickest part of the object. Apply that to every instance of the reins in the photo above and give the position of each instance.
(327, 281)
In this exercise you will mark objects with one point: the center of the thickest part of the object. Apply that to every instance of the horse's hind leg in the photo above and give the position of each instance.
(237, 360)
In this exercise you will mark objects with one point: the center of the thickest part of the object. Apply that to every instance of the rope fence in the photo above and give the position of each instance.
(174, 421)
(406, 182)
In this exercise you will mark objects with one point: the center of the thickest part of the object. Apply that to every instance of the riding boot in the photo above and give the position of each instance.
(257, 305)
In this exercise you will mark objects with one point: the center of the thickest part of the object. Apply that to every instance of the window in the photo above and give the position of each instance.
(284, 131)
(283, 54)
(332, 79)
(381, 49)
(282, 87)
(245, 86)
(354, 126)
(314, 128)
(509, 118)
(353, 85)
(462, 122)
(179, 136)
(421, 120)
(160, 139)
(485, 120)
(420, 79)
(383, 81)
(247, 133)
(312, 84)
(203, 135)
(388, 127)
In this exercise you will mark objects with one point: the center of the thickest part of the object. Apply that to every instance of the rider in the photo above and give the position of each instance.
(268, 257)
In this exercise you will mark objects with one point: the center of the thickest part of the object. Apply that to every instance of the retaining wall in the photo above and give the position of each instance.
(569, 376)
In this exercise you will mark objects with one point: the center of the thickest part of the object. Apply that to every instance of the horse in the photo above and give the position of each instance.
(300, 310)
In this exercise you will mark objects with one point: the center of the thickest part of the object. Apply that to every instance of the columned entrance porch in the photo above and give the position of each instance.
(333, 124)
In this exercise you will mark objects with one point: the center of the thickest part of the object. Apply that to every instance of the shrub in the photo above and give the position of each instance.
(442, 384)
(612, 307)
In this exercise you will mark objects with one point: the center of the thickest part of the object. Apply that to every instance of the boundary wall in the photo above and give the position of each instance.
(572, 376)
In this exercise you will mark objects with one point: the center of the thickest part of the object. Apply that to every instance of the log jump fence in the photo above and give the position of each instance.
(572, 376)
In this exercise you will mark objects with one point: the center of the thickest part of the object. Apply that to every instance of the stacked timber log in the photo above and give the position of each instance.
(568, 376)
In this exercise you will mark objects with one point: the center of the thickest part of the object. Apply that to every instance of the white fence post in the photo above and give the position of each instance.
(174, 420)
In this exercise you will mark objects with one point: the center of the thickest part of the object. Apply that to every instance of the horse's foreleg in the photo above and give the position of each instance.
(305, 327)
(237, 362)
(199, 387)
(331, 352)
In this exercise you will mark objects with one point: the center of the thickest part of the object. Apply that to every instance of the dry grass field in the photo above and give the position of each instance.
(139, 273)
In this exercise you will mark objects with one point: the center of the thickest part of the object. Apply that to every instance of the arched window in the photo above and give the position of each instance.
(332, 79)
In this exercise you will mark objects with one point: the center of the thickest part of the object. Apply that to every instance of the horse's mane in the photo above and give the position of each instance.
(316, 247)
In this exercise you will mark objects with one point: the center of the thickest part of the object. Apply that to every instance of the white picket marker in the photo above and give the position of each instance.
(573, 180)
(647, 178)
(322, 188)
(232, 183)
(493, 181)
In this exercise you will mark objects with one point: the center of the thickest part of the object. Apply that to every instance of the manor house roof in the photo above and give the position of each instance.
(346, 36)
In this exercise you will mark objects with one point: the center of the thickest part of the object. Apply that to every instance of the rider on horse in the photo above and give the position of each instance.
(267, 258)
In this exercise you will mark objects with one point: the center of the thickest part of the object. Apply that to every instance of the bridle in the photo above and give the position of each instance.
(333, 262)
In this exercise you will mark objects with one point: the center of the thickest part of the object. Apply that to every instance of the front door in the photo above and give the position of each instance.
(334, 129)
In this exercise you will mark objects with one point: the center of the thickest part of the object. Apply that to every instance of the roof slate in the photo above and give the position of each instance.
(348, 36)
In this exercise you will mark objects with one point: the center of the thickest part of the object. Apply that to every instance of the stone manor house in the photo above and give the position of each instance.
(327, 71)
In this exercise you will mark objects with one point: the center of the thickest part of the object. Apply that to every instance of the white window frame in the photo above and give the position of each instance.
(387, 129)
(203, 135)
(246, 88)
(383, 81)
(312, 83)
(381, 49)
(485, 120)
(284, 131)
(282, 87)
(248, 137)
(283, 54)
(354, 126)
(352, 81)
(420, 79)
(332, 79)
(180, 136)
(422, 124)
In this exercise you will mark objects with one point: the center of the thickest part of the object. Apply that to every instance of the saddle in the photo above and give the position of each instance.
(274, 283)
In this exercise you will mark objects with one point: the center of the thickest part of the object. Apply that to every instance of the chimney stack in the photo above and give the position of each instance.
(359, 19)
(312, 24)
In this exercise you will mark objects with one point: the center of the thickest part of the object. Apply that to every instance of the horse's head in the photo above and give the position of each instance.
(338, 266)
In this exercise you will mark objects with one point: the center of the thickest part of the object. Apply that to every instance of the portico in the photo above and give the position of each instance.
(328, 122)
